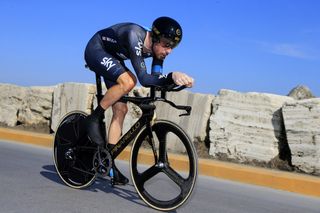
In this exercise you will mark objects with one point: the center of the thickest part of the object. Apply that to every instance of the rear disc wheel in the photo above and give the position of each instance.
(73, 152)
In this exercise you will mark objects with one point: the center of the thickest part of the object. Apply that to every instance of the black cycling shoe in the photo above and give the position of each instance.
(93, 126)
(118, 177)
(94, 130)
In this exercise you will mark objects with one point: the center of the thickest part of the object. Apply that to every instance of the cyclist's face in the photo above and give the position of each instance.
(162, 48)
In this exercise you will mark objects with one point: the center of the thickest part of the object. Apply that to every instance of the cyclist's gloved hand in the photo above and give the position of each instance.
(182, 79)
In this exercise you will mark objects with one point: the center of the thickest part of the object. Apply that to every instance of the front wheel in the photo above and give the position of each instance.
(163, 166)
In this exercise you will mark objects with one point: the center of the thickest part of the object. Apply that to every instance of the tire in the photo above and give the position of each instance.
(73, 152)
(156, 181)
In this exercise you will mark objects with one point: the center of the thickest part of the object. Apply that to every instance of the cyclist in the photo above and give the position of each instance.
(105, 54)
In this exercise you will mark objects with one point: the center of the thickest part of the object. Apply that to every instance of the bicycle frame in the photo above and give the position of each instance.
(145, 120)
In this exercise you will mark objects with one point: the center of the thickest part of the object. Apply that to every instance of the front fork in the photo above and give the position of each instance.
(162, 159)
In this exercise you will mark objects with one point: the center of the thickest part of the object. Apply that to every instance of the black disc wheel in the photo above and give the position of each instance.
(163, 166)
(73, 152)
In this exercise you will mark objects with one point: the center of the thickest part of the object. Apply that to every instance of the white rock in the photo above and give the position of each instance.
(69, 97)
(37, 106)
(302, 122)
(8, 114)
(11, 97)
(246, 126)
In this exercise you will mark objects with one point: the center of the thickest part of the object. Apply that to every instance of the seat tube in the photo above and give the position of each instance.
(99, 88)
(99, 96)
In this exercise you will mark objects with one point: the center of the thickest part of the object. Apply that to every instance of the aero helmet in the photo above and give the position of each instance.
(168, 28)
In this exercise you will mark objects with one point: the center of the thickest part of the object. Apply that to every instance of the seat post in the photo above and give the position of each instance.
(99, 94)
(152, 92)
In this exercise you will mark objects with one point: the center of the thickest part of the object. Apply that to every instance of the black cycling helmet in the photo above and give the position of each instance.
(168, 28)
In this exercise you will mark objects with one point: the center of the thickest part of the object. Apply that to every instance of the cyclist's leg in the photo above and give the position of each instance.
(112, 69)
(119, 81)
(125, 83)
(119, 111)
(115, 129)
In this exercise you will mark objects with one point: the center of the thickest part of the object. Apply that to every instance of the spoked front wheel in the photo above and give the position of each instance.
(73, 152)
(163, 166)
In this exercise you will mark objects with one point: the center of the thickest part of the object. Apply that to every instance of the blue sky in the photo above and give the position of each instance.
(245, 45)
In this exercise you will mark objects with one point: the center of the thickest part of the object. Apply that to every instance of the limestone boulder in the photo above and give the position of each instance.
(11, 97)
(25, 105)
(301, 92)
(246, 127)
(36, 106)
(302, 122)
(68, 97)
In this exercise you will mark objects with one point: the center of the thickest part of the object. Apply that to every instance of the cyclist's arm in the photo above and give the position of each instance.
(137, 60)
(156, 67)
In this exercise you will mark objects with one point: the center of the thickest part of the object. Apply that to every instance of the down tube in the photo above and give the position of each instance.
(128, 137)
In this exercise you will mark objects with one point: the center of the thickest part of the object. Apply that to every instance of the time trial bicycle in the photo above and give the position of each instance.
(79, 161)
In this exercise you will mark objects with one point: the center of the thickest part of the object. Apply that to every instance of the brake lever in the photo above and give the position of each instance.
(177, 89)
(188, 109)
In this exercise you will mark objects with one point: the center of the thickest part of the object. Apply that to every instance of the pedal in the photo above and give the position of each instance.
(102, 170)
(111, 177)
(112, 182)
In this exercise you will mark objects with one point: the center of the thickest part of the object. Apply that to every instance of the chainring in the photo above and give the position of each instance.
(103, 164)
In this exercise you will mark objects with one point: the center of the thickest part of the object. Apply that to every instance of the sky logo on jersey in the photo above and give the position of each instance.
(108, 63)
(162, 76)
(139, 48)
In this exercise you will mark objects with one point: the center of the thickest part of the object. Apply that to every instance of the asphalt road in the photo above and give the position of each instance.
(29, 183)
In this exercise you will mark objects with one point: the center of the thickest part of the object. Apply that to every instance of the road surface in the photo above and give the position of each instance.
(29, 183)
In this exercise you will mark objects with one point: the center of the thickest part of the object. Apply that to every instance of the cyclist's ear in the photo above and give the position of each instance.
(155, 39)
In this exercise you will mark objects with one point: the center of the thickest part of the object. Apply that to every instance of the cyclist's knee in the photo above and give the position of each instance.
(120, 109)
(127, 81)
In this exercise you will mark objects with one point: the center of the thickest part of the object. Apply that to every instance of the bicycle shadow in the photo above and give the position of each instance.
(51, 174)
(100, 184)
